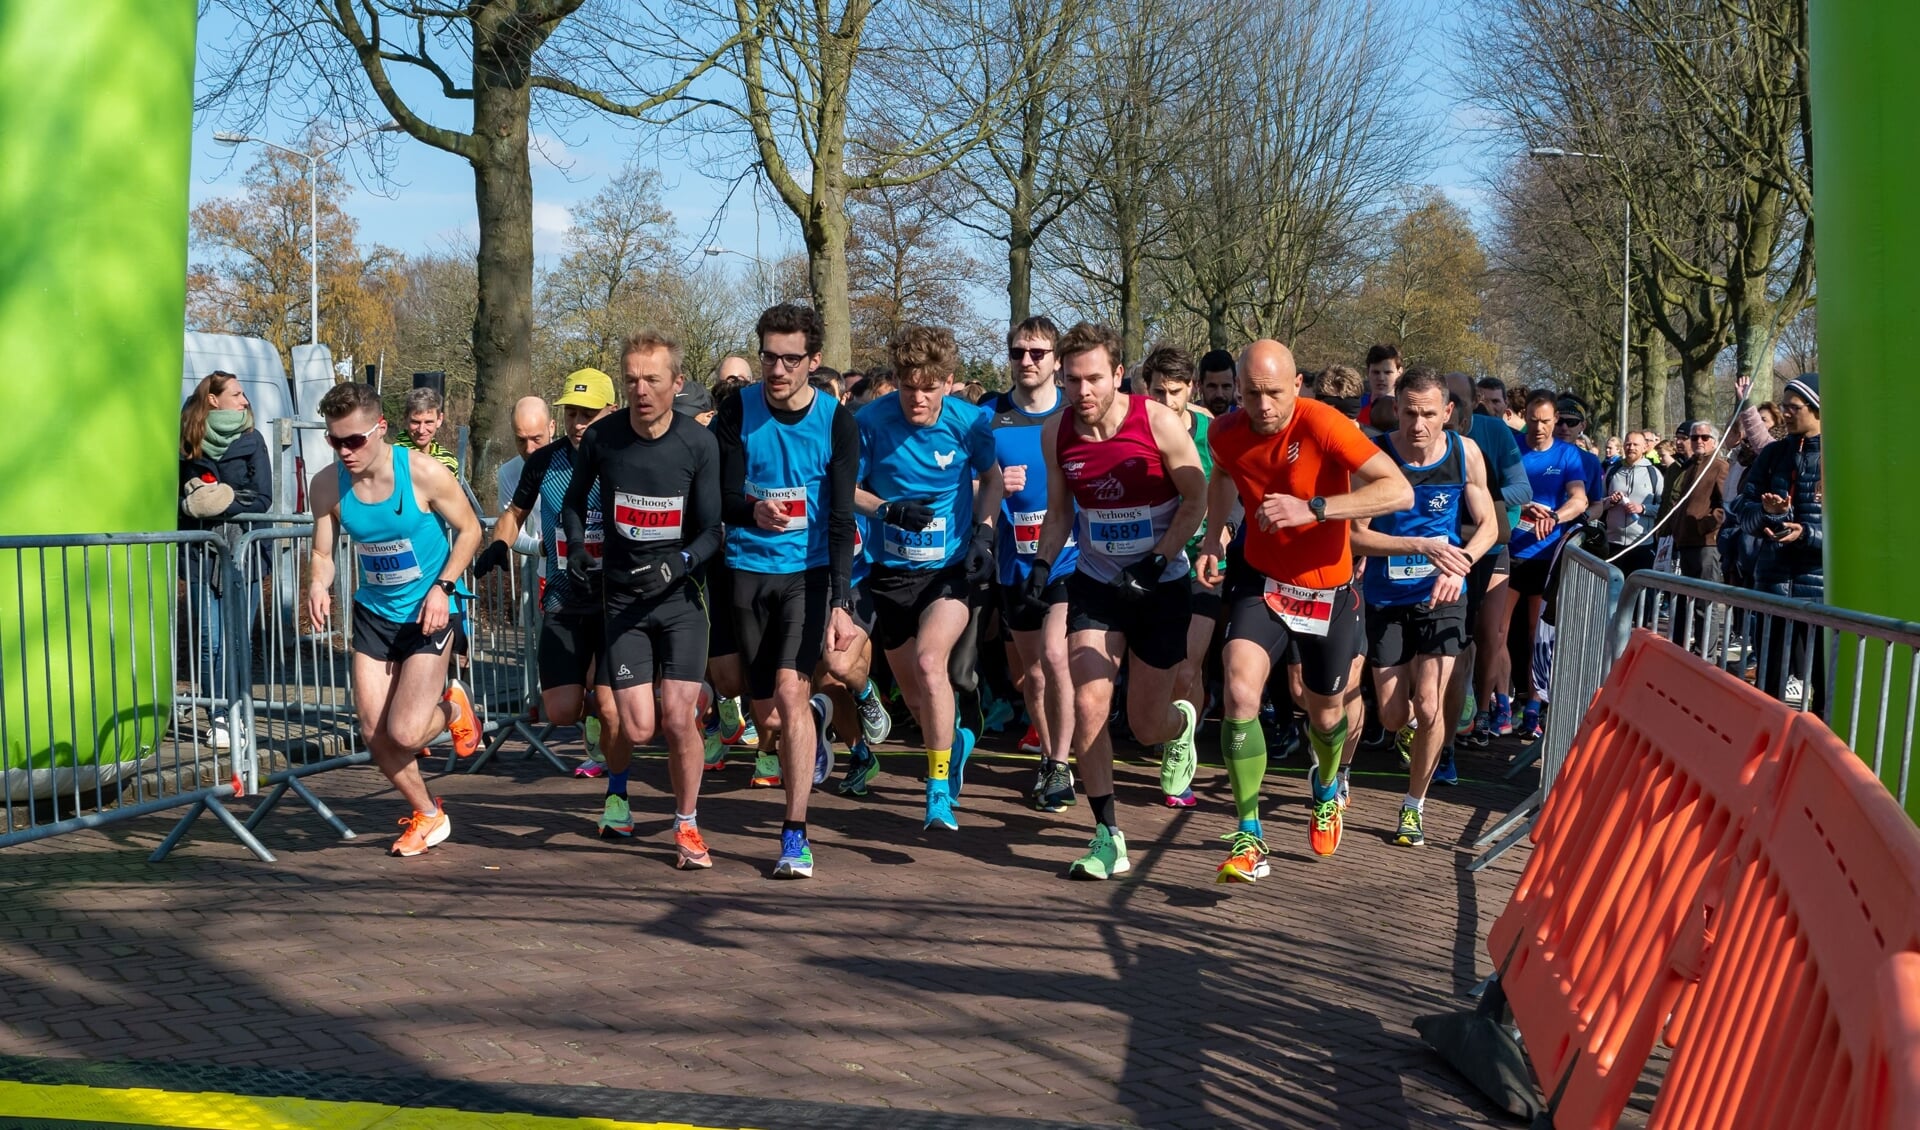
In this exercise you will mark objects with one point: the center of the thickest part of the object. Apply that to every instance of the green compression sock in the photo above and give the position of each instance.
(1244, 745)
(1327, 746)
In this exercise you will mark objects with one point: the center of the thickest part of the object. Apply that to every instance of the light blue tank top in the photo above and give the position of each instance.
(399, 548)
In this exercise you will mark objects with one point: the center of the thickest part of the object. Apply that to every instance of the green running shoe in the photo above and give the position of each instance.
(616, 819)
(733, 727)
(1177, 759)
(1411, 834)
(862, 768)
(766, 771)
(715, 757)
(1403, 741)
(1106, 857)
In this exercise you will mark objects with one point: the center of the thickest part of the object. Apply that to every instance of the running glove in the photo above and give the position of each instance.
(980, 554)
(913, 514)
(1033, 594)
(491, 558)
(1139, 579)
(656, 577)
(583, 570)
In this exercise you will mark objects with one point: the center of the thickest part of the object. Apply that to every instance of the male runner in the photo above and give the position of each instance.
(572, 629)
(1294, 464)
(397, 506)
(1168, 370)
(658, 477)
(1218, 385)
(1132, 470)
(1416, 588)
(789, 456)
(1019, 418)
(920, 448)
(1558, 472)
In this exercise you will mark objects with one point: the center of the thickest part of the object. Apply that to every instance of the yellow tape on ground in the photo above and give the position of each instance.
(212, 1110)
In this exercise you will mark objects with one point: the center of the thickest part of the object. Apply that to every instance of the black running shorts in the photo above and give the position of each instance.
(379, 638)
(780, 620)
(668, 633)
(571, 645)
(902, 596)
(1014, 612)
(1325, 660)
(1155, 626)
(1398, 632)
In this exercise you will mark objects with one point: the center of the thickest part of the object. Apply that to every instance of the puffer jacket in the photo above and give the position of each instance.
(1789, 467)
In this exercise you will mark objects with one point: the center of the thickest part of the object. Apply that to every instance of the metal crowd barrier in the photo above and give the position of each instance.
(1585, 595)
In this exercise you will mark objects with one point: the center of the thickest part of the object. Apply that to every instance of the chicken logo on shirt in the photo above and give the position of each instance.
(944, 459)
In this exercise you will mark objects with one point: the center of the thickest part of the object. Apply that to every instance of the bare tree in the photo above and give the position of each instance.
(494, 63)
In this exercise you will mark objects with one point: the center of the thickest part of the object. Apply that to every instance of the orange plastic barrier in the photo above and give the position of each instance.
(1664, 772)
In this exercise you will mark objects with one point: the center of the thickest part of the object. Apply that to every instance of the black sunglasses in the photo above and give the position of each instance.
(1030, 354)
(1569, 421)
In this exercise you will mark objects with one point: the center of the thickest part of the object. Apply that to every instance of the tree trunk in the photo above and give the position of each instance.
(1219, 332)
(1653, 385)
(1753, 343)
(503, 195)
(1019, 274)
(826, 238)
(1697, 387)
(1133, 322)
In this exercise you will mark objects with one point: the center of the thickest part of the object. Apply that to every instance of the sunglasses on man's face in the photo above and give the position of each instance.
(1701, 437)
(1568, 422)
(353, 442)
(1034, 355)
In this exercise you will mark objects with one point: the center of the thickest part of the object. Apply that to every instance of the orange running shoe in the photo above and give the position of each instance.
(465, 725)
(1248, 861)
(693, 849)
(422, 832)
(1323, 827)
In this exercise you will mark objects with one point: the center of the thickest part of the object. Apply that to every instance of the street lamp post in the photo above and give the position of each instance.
(714, 251)
(313, 207)
(1626, 279)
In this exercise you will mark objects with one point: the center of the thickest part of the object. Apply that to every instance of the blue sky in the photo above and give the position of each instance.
(428, 199)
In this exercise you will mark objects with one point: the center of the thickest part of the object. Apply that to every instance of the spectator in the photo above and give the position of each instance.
(1694, 506)
(224, 471)
(1781, 503)
(532, 430)
(1630, 507)
(425, 415)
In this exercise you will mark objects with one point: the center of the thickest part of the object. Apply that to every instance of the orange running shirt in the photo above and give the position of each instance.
(1313, 455)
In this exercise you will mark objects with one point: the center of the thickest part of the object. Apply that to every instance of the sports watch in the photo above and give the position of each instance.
(1318, 505)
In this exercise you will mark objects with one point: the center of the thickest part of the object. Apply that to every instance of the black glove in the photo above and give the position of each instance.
(1033, 594)
(1138, 580)
(583, 570)
(491, 558)
(914, 514)
(656, 577)
(980, 554)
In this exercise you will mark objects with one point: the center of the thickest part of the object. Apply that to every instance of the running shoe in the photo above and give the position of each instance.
(1030, 741)
(822, 745)
(796, 857)
(1182, 799)
(692, 849)
(733, 725)
(596, 763)
(963, 742)
(940, 807)
(862, 768)
(715, 756)
(1346, 788)
(422, 832)
(1502, 716)
(1056, 787)
(1528, 731)
(1466, 714)
(997, 716)
(616, 819)
(876, 725)
(1410, 834)
(1106, 856)
(1246, 860)
(1323, 832)
(1403, 742)
(1481, 736)
(464, 725)
(1446, 773)
(750, 735)
(1177, 758)
(766, 771)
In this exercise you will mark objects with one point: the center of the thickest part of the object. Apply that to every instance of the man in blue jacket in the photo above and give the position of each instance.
(1781, 503)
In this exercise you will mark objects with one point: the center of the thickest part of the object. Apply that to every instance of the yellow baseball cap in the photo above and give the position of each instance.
(587, 388)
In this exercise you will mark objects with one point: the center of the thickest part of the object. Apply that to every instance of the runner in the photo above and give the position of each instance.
(1295, 465)
(846, 673)
(658, 477)
(789, 455)
(1557, 471)
(920, 451)
(1417, 623)
(1168, 370)
(572, 628)
(397, 510)
(1019, 418)
(1132, 469)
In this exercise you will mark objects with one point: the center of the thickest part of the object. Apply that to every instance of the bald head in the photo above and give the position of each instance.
(1269, 358)
(532, 424)
(1269, 386)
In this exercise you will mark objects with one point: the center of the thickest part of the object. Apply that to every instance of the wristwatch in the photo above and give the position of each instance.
(444, 586)
(1318, 505)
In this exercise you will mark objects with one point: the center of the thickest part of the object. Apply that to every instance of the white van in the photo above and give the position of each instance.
(257, 363)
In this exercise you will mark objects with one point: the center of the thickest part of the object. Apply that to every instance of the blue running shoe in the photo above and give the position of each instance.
(963, 740)
(1446, 773)
(1502, 716)
(796, 857)
(940, 807)
(998, 715)
(1528, 731)
(822, 745)
(862, 768)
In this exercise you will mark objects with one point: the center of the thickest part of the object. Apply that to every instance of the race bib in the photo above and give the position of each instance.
(792, 502)
(596, 540)
(1663, 556)
(1121, 532)
(641, 517)
(929, 544)
(1411, 568)
(1307, 611)
(386, 564)
(1026, 531)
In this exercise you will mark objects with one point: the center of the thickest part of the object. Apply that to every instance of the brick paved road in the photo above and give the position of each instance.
(959, 974)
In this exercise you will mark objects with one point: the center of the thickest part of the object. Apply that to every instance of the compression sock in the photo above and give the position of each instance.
(1243, 743)
(867, 692)
(1102, 809)
(938, 762)
(617, 784)
(1327, 746)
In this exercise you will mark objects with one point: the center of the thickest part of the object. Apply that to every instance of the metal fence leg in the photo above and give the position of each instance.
(319, 807)
(1524, 811)
(179, 832)
(1501, 848)
(536, 743)
(1527, 757)
(226, 816)
(266, 804)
